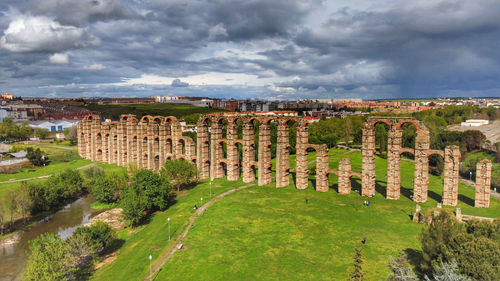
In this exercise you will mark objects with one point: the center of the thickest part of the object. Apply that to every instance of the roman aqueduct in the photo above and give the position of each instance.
(222, 139)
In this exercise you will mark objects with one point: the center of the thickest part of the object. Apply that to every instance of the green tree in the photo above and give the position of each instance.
(48, 259)
(179, 172)
(147, 192)
(92, 173)
(357, 272)
(12, 204)
(106, 188)
(24, 201)
(2, 219)
(435, 239)
(36, 156)
(401, 269)
(72, 135)
(41, 133)
(381, 137)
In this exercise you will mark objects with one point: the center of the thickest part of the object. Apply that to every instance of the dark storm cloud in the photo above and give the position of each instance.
(179, 83)
(293, 49)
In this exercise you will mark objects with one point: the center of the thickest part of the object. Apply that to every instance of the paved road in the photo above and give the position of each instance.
(178, 242)
(42, 177)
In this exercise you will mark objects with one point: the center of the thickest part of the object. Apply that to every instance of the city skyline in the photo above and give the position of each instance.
(259, 49)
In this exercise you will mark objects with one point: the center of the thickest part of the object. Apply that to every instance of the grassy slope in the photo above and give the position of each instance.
(270, 234)
(132, 261)
(114, 111)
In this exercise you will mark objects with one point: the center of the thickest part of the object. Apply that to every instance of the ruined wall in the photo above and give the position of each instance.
(483, 184)
(153, 140)
(148, 142)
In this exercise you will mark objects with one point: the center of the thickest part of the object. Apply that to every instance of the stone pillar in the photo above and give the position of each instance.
(215, 150)
(393, 163)
(162, 135)
(232, 151)
(151, 141)
(248, 152)
(421, 174)
(301, 164)
(203, 150)
(94, 129)
(105, 143)
(264, 155)
(142, 145)
(322, 168)
(451, 169)
(368, 162)
(483, 184)
(344, 176)
(81, 138)
(282, 156)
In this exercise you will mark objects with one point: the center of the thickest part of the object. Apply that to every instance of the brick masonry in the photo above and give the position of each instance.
(152, 140)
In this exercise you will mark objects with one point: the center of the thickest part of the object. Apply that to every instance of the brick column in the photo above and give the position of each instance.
(421, 174)
(483, 184)
(81, 138)
(94, 129)
(162, 135)
(322, 168)
(232, 151)
(203, 150)
(451, 168)
(248, 152)
(264, 155)
(301, 165)
(105, 143)
(393, 163)
(368, 162)
(215, 150)
(344, 176)
(282, 156)
(142, 147)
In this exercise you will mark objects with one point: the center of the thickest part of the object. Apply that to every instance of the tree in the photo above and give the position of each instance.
(434, 240)
(2, 219)
(92, 173)
(147, 192)
(48, 259)
(357, 273)
(381, 137)
(12, 204)
(401, 269)
(72, 135)
(41, 133)
(23, 199)
(104, 190)
(179, 172)
(497, 155)
(448, 272)
(36, 156)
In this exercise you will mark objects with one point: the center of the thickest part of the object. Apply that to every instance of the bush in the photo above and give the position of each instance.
(179, 172)
(148, 192)
(107, 188)
(98, 236)
(36, 156)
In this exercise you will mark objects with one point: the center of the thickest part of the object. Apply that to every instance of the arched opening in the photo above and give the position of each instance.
(436, 168)
(223, 166)
(333, 181)
(168, 145)
(222, 150)
(182, 147)
(145, 160)
(407, 172)
(145, 144)
(156, 145)
(157, 163)
(355, 184)
(311, 166)
(99, 155)
(134, 148)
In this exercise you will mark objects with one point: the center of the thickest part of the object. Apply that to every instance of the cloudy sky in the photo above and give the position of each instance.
(256, 49)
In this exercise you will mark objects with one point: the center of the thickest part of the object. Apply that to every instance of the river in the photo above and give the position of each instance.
(13, 251)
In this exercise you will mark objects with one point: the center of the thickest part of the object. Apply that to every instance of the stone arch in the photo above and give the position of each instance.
(182, 146)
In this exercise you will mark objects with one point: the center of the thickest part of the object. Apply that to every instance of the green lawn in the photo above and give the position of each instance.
(59, 159)
(264, 233)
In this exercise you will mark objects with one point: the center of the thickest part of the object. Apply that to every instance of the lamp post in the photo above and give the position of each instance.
(210, 188)
(470, 176)
(168, 229)
(150, 276)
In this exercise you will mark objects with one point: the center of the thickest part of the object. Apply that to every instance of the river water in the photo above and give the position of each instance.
(13, 251)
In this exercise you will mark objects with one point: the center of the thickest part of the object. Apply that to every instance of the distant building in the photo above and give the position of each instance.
(53, 126)
(474, 123)
(7, 96)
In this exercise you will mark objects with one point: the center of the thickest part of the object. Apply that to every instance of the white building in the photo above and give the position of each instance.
(474, 123)
(53, 126)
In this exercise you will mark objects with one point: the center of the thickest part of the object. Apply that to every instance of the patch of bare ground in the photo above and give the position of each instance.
(491, 131)
(113, 217)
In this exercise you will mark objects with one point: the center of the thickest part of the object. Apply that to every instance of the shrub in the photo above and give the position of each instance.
(179, 172)
(36, 156)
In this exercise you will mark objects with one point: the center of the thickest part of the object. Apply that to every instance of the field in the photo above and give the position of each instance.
(264, 233)
(113, 111)
(61, 157)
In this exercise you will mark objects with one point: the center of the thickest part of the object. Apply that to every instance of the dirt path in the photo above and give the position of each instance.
(43, 177)
(178, 241)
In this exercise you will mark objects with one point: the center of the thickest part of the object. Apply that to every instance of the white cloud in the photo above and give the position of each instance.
(217, 31)
(59, 58)
(27, 33)
(95, 66)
